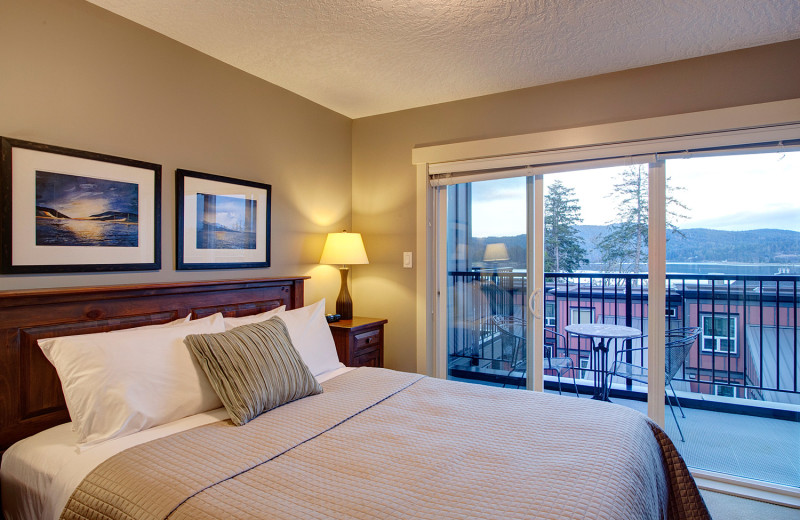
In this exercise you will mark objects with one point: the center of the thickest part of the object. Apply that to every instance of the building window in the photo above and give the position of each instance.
(725, 390)
(719, 334)
(584, 362)
(549, 314)
(581, 315)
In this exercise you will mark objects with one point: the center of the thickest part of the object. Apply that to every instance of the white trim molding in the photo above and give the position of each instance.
(425, 272)
(747, 488)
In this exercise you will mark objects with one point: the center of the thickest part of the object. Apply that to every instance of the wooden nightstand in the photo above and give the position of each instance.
(359, 342)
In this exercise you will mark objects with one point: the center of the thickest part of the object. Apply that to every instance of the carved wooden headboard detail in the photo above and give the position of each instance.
(30, 391)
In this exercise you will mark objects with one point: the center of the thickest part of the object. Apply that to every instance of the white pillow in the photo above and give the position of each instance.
(312, 338)
(121, 382)
(231, 323)
(179, 321)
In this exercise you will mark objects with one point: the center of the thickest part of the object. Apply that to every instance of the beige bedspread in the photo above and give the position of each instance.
(384, 444)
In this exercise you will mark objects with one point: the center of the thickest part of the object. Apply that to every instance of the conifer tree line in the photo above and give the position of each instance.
(624, 246)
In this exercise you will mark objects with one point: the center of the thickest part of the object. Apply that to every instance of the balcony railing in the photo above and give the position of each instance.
(748, 348)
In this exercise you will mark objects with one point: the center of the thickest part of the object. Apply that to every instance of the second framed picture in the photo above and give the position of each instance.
(222, 223)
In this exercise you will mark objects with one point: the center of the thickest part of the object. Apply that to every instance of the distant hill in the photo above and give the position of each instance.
(116, 216)
(213, 226)
(44, 211)
(697, 245)
(755, 246)
(591, 236)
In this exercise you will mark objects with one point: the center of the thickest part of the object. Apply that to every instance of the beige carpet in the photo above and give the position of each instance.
(729, 507)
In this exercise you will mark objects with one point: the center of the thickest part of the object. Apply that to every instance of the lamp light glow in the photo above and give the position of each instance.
(344, 249)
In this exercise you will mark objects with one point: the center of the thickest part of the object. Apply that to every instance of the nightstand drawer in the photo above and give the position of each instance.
(359, 341)
(369, 359)
(367, 341)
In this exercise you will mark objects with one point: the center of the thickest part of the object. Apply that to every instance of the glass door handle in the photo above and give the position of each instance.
(533, 304)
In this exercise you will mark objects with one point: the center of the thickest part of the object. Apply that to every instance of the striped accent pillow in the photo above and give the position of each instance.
(253, 368)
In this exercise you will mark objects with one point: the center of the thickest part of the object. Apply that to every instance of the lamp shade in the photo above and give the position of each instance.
(495, 252)
(344, 249)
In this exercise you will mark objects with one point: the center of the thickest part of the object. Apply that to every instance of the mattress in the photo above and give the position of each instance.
(38, 474)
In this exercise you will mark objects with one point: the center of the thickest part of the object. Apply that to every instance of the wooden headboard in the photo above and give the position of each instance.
(30, 391)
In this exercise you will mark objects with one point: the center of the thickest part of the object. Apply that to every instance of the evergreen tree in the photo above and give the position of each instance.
(563, 247)
(624, 248)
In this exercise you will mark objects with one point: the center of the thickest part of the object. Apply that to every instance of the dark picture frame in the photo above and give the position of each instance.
(68, 211)
(221, 222)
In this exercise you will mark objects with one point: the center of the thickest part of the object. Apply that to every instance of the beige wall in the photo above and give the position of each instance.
(75, 75)
(384, 178)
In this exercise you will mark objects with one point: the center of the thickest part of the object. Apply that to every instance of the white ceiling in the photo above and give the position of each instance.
(366, 57)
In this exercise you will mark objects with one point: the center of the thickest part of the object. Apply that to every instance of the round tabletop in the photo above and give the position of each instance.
(602, 330)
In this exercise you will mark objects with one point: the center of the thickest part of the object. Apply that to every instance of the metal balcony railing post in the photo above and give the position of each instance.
(629, 323)
(795, 335)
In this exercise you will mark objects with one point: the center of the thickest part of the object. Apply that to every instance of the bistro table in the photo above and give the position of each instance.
(604, 333)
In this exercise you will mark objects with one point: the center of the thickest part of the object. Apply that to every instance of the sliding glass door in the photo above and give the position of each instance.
(733, 270)
(487, 273)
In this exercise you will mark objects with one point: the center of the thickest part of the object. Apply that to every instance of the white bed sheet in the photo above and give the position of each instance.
(38, 474)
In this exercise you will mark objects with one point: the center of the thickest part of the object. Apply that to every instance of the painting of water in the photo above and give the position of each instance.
(225, 222)
(74, 210)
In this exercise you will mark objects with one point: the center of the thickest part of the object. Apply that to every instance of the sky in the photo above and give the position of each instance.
(80, 197)
(732, 193)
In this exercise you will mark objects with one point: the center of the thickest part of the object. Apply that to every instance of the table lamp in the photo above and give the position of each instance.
(496, 252)
(344, 249)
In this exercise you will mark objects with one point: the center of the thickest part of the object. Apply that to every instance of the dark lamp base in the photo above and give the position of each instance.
(344, 305)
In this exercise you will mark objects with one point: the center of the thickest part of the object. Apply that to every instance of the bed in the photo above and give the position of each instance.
(364, 443)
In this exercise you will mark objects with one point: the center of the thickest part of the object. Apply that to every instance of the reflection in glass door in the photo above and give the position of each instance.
(487, 258)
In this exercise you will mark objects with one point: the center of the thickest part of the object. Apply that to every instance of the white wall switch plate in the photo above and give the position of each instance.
(407, 259)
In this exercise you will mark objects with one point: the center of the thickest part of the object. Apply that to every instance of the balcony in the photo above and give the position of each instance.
(738, 385)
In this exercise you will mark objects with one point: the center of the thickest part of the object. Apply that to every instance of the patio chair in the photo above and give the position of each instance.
(489, 300)
(512, 332)
(678, 342)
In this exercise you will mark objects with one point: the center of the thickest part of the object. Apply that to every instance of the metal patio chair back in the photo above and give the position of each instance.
(677, 344)
(512, 332)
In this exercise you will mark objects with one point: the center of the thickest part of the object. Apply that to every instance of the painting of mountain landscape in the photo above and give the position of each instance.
(74, 210)
(225, 222)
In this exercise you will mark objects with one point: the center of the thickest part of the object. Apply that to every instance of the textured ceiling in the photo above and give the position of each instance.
(365, 57)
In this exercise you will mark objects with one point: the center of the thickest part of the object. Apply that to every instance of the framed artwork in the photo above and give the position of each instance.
(222, 223)
(64, 210)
